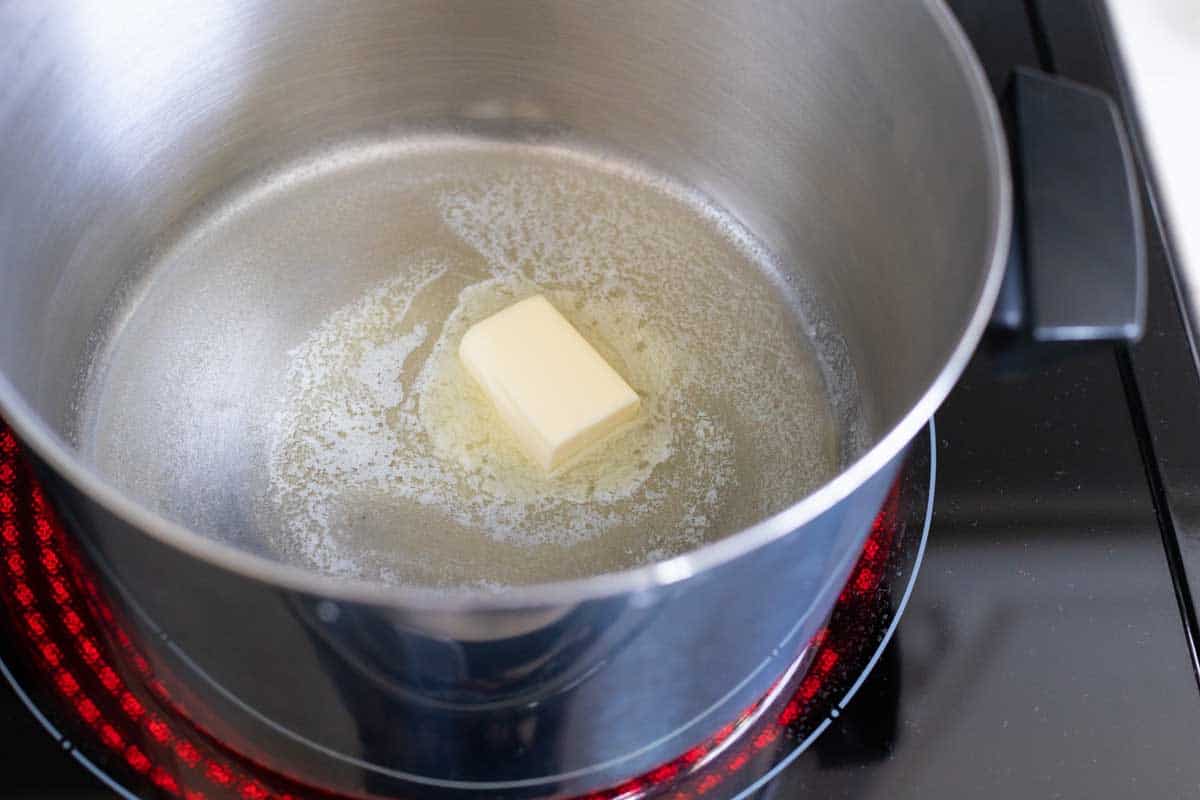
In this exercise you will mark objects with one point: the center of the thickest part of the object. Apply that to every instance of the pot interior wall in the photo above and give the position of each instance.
(842, 136)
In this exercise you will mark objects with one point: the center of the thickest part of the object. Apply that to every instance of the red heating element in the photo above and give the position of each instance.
(102, 686)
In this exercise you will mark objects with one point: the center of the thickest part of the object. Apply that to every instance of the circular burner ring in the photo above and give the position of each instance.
(130, 731)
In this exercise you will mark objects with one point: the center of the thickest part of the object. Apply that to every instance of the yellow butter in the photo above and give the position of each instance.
(550, 386)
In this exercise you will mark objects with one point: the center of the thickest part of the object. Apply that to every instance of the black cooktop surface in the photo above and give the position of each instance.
(1047, 648)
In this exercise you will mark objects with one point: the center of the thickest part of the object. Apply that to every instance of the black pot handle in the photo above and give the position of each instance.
(1076, 268)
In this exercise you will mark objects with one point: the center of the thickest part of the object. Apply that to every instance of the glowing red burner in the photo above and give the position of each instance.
(110, 688)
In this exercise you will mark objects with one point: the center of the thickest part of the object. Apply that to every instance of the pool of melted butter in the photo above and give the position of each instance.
(429, 485)
(381, 458)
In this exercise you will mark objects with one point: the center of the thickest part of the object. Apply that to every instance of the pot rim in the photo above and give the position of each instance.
(55, 452)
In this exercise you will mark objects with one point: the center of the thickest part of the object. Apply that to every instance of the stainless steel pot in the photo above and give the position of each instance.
(858, 140)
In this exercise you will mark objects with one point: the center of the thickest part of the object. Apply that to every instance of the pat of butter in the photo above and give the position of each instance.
(550, 386)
